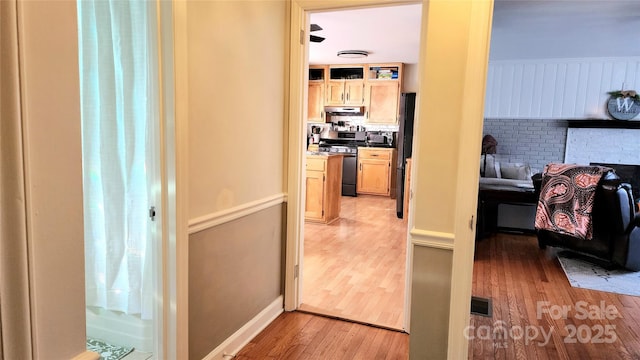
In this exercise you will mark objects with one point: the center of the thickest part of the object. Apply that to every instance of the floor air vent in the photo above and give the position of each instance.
(481, 306)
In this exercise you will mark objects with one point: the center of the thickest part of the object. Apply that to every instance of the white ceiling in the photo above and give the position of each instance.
(389, 34)
(522, 29)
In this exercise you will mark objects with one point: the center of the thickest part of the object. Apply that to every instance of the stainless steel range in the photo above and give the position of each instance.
(346, 143)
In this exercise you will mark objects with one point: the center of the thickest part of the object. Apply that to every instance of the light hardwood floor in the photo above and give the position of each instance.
(354, 268)
(519, 278)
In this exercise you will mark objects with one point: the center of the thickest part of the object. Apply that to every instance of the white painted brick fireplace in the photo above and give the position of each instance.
(601, 145)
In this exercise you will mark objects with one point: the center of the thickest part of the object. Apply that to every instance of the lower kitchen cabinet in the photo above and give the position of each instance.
(324, 186)
(374, 171)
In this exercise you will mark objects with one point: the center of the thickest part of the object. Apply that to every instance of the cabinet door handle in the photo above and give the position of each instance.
(348, 96)
(375, 155)
(342, 97)
(366, 114)
(360, 166)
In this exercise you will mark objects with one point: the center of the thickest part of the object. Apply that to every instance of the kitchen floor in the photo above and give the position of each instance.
(354, 268)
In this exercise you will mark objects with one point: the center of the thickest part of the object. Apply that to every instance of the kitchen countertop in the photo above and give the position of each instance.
(381, 146)
(322, 153)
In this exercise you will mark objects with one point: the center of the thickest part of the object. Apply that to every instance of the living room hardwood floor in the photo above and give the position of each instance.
(519, 278)
(354, 268)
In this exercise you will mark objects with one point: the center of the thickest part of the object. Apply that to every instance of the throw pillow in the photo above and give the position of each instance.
(490, 168)
(516, 171)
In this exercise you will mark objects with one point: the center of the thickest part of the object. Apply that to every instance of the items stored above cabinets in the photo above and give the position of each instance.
(377, 87)
(384, 72)
(384, 84)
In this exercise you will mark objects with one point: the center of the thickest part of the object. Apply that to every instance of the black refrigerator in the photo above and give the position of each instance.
(405, 142)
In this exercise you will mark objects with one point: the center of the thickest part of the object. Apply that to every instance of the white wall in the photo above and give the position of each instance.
(557, 88)
(50, 107)
(231, 97)
(410, 78)
(533, 29)
(236, 103)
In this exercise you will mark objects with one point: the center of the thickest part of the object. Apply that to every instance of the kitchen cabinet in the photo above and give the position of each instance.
(323, 188)
(345, 92)
(317, 86)
(346, 85)
(382, 103)
(382, 96)
(376, 86)
(316, 112)
(374, 171)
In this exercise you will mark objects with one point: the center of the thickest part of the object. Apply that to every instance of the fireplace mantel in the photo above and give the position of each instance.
(604, 124)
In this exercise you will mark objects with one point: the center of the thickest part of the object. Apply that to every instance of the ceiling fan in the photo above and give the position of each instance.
(314, 38)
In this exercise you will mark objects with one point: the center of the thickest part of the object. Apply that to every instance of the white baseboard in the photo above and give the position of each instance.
(230, 347)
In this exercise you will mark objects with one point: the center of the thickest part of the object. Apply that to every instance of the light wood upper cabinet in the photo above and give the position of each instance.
(335, 93)
(354, 92)
(376, 86)
(316, 102)
(384, 83)
(317, 86)
(375, 171)
(345, 92)
(346, 85)
(382, 102)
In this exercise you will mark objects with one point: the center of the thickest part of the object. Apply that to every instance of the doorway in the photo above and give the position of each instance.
(120, 103)
(355, 267)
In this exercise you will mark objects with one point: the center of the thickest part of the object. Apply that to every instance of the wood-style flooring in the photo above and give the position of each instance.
(296, 335)
(516, 275)
(529, 290)
(354, 268)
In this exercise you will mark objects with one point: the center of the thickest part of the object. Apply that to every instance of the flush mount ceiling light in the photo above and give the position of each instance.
(352, 54)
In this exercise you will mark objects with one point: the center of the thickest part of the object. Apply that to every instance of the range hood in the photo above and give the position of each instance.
(344, 110)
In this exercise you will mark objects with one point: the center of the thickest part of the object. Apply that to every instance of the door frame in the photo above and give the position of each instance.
(296, 131)
(458, 238)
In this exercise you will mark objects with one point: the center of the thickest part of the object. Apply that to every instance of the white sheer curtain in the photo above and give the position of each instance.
(117, 77)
